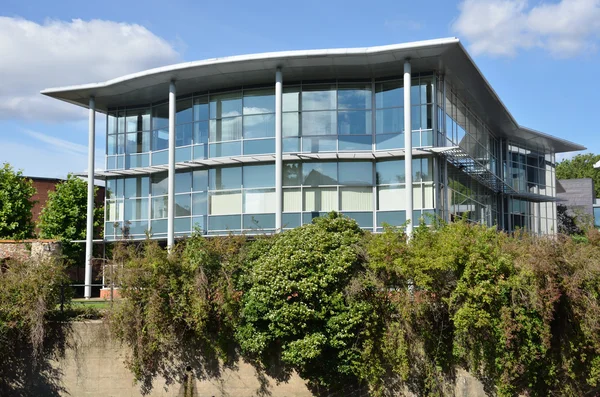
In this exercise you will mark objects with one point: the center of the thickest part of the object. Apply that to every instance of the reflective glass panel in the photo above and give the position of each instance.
(183, 182)
(160, 184)
(259, 101)
(259, 221)
(389, 121)
(225, 149)
(259, 126)
(354, 96)
(355, 142)
(183, 134)
(319, 123)
(291, 145)
(201, 108)
(354, 122)
(259, 176)
(224, 222)
(200, 180)
(389, 141)
(315, 174)
(318, 97)
(225, 178)
(138, 120)
(291, 99)
(201, 132)
(292, 174)
(185, 113)
(228, 129)
(355, 173)
(290, 124)
(259, 146)
(183, 205)
(319, 144)
(200, 203)
(160, 139)
(389, 172)
(160, 116)
(389, 94)
(226, 105)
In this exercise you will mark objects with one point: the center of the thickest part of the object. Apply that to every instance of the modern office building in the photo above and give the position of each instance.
(266, 142)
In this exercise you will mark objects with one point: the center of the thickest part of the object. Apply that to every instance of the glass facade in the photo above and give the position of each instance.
(326, 118)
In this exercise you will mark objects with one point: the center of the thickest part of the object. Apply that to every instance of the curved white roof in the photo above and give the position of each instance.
(444, 55)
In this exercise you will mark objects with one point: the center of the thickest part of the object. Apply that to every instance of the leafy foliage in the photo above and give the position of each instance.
(15, 204)
(65, 216)
(29, 295)
(580, 166)
(352, 311)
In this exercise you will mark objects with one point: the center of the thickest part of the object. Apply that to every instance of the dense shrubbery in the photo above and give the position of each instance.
(29, 296)
(348, 309)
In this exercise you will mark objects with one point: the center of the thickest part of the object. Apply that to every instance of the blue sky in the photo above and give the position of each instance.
(541, 57)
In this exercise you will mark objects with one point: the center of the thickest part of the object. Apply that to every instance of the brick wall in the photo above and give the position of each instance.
(45, 185)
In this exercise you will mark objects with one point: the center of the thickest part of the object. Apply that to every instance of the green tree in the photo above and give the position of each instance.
(580, 166)
(15, 204)
(65, 216)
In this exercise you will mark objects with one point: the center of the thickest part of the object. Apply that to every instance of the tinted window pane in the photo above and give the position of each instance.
(185, 112)
(354, 122)
(390, 172)
(138, 120)
(183, 182)
(160, 158)
(183, 134)
(389, 141)
(259, 146)
(226, 129)
(199, 204)
(200, 180)
(318, 97)
(290, 124)
(111, 145)
(160, 140)
(355, 142)
(291, 145)
(314, 174)
(291, 99)
(319, 144)
(259, 126)
(259, 221)
(111, 123)
(225, 178)
(160, 116)
(224, 222)
(364, 219)
(392, 218)
(292, 174)
(259, 101)
(225, 149)
(319, 123)
(354, 97)
(183, 154)
(201, 132)
(183, 205)
(225, 105)
(159, 184)
(259, 176)
(200, 152)
(389, 94)
(356, 173)
(389, 121)
(290, 220)
(201, 108)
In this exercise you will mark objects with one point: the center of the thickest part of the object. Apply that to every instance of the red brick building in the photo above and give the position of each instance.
(45, 185)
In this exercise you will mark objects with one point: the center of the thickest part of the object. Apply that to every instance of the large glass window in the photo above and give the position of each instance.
(225, 178)
(314, 174)
(226, 105)
(319, 97)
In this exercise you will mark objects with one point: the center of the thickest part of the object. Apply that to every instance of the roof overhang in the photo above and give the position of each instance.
(447, 56)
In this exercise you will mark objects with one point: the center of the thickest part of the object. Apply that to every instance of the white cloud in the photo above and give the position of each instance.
(58, 53)
(503, 27)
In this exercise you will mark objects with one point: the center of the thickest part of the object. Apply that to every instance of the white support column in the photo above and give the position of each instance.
(89, 237)
(171, 179)
(408, 148)
(278, 151)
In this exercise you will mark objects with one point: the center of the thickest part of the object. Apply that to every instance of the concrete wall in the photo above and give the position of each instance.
(93, 365)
